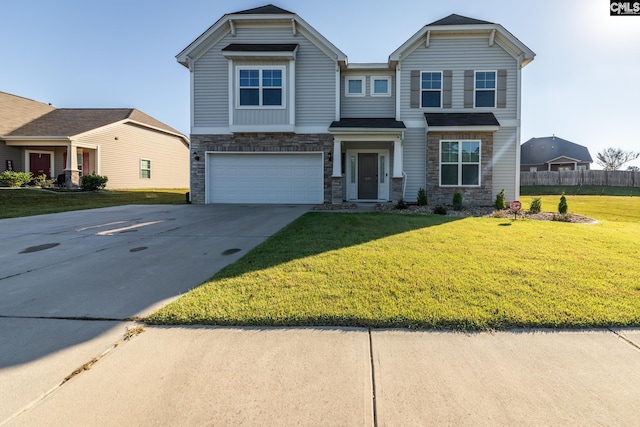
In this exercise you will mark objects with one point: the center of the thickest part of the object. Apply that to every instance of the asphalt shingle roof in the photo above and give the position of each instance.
(243, 47)
(454, 19)
(74, 121)
(16, 111)
(461, 119)
(371, 123)
(540, 150)
(268, 9)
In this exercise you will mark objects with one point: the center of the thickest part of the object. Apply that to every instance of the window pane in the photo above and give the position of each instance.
(486, 80)
(431, 99)
(272, 97)
(381, 86)
(449, 152)
(470, 175)
(272, 78)
(382, 171)
(449, 175)
(471, 151)
(249, 97)
(249, 78)
(485, 98)
(431, 81)
(355, 86)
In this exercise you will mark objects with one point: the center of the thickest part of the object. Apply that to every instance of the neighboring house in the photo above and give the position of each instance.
(131, 148)
(553, 154)
(279, 115)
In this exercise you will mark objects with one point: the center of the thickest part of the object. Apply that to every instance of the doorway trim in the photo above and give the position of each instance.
(351, 178)
(27, 160)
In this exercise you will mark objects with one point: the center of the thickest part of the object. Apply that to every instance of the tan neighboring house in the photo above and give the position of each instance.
(132, 149)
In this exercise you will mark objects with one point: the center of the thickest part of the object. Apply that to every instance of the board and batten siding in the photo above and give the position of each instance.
(458, 53)
(120, 159)
(367, 106)
(314, 82)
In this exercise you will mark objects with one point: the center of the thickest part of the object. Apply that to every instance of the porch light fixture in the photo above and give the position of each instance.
(195, 156)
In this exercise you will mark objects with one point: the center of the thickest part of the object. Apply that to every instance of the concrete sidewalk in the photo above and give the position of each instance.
(192, 376)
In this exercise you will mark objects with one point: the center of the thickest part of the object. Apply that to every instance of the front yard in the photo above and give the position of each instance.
(423, 271)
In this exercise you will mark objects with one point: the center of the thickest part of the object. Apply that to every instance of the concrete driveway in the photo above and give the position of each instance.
(70, 282)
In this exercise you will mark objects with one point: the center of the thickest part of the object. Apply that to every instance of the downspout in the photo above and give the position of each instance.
(519, 121)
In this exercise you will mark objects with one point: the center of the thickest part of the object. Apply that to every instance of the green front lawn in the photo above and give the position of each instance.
(16, 202)
(392, 270)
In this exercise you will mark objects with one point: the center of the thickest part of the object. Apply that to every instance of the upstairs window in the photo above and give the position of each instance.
(381, 86)
(260, 87)
(485, 89)
(460, 163)
(431, 89)
(354, 86)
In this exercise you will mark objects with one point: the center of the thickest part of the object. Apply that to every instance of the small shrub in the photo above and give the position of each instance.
(401, 205)
(536, 205)
(561, 217)
(93, 182)
(15, 179)
(42, 181)
(562, 206)
(422, 197)
(457, 201)
(502, 213)
(440, 210)
(500, 203)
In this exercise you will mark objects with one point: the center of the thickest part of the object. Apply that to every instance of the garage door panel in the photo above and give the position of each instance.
(265, 178)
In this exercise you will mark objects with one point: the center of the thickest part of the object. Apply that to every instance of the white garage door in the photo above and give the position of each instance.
(265, 178)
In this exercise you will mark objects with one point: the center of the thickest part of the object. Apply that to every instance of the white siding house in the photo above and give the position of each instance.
(442, 114)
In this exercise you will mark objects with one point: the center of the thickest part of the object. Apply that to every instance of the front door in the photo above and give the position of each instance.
(368, 176)
(40, 163)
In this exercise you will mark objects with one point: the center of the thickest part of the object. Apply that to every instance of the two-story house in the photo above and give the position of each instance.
(279, 115)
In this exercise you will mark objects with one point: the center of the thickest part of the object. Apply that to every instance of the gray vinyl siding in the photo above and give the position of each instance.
(457, 53)
(314, 83)
(414, 162)
(211, 89)
(120, 159)
(504, 162)
(11, 153)
(367, 106)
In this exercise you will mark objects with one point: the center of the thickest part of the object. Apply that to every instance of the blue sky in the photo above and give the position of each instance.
(584, 84)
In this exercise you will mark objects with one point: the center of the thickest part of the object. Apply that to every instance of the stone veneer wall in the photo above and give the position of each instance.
(255, 142)
(471, 196)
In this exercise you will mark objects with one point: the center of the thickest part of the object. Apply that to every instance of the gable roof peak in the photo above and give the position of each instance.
(455, 19)
(268, 9)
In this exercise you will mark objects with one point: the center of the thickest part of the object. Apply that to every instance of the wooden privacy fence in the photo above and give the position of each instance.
(583, 177)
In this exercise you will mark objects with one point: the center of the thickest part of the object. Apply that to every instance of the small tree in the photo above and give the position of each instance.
(457, 201)
(422, 197)
(562, 206)
(634, 168)
(500, 203)
(536, 205)
(611, 159)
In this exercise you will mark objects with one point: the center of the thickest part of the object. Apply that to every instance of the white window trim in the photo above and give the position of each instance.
(347, 79)
(533, 169)
(141, 169)
(260, 87)
(459, 163)
(374, 78)
(431, 90)
(495, 89)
